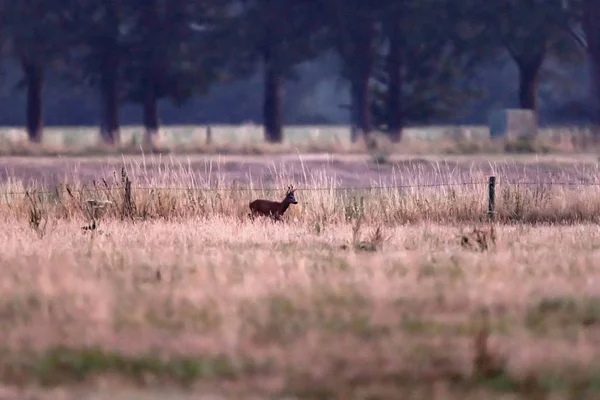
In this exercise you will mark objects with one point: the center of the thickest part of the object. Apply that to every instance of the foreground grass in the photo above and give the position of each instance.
(283, 309)
(386, 293)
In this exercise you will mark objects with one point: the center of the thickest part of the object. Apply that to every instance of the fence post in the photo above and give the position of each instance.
(208, 135)
(491, 197)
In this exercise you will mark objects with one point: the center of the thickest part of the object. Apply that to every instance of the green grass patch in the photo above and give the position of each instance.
(559, 313)
(64, 365)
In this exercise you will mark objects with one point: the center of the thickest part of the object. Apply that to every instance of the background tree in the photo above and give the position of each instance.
(590, 22)
(354, 31)
(395, 23)
(423, 69)
(529, 30)
(402, 60)
(278, 35)
(170, 54)
(100, 49)
(583, 25)
(35, 35)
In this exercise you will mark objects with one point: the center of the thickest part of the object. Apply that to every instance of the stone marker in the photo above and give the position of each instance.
(512, 123)
(209, 138)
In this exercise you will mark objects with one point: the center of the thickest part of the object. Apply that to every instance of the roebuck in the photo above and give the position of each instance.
(272, 209)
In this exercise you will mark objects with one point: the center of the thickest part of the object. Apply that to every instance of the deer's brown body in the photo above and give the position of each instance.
(270, 208)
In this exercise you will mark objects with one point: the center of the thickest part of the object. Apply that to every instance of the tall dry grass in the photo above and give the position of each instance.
(410, 193)
(391, 296)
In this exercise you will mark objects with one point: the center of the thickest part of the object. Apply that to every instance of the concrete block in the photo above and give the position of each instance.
(513, 123)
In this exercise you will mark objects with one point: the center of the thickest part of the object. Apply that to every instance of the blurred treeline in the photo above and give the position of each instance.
(379, 64)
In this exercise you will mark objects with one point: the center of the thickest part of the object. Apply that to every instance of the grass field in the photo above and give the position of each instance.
(221, 134)
(249, 139)
(358, 294)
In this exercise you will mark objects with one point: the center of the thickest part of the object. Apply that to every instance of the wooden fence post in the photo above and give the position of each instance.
(491, 198)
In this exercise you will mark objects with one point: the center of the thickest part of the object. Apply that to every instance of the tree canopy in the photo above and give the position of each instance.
(404, 61)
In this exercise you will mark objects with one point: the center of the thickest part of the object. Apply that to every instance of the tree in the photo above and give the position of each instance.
(36, 37)
(395, 30)
(529, 30)
(590, 22)
(279, 35)
(583, 25)
(423, 69)
(170, 54)
(354, 31)
(100, 51)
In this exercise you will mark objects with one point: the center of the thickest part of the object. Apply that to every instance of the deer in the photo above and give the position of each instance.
(272, 209)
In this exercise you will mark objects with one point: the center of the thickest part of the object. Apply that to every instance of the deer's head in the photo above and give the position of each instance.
(289, 196)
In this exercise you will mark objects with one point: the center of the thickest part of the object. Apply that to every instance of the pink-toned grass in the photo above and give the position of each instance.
(285, 305)
(342, 300)
(406, 192)
(449, 140)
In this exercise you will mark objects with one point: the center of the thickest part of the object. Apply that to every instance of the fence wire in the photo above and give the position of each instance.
(308, 189)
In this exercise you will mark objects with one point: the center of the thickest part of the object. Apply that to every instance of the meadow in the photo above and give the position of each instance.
(247, 139)
(142, 277)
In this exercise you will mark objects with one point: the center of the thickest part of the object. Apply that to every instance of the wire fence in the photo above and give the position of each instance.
(120, 194)
(300, 189)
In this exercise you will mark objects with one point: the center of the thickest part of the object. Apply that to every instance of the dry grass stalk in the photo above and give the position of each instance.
(174, 191)
(127, 209)
(38, 218)
(486, 365)
(479, 239)
(374, 242)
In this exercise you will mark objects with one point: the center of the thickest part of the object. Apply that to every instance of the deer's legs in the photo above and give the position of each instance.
(252, 216)
(276, 217)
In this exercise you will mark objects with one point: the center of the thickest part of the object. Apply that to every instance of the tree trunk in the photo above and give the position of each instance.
(365, 122)
(354, 111)
(528, 74)
(109, 77)
(594, 65)
(395, 114)
(361, 105)
(591, 28)
(151, 120)
(34, 78)
(110, 126)
(272, 102)
(360, 63)
(528, 78)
